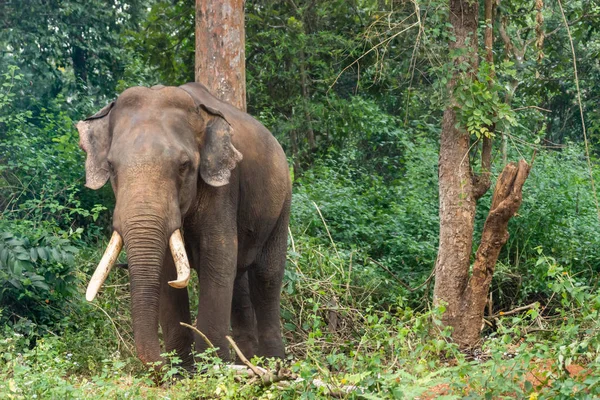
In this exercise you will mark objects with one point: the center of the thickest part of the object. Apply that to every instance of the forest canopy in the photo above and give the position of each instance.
(355, 91)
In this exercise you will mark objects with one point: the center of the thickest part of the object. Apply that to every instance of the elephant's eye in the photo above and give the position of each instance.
(184, 167)
(111, 168)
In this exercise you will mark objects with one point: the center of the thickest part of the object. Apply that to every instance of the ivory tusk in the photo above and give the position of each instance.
(181, 261)
(104, 266)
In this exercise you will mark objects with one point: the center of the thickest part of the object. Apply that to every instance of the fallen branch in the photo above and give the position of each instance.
(516, 310)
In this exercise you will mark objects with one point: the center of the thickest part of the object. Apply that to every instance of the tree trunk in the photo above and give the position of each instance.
(221, 64)
(465, 295)
(220, 49)
(457, 203)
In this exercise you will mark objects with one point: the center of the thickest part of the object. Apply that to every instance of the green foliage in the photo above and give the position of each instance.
(479, 103)
(34, 272)
(391, 221)
(168, 28)
(372, 176)
(384, 350)
(41, 175)
(43, 215)
(77, 51)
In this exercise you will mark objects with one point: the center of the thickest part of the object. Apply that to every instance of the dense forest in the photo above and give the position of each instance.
(364, 96)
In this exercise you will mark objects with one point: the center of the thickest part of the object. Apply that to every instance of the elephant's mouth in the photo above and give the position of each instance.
(112, 253)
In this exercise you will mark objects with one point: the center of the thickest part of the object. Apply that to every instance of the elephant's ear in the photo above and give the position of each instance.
(94, 139)
(218, 156)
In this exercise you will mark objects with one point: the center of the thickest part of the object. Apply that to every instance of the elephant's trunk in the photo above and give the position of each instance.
(145, 236)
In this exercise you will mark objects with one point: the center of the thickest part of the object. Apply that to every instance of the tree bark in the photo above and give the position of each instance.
(505, 203)
(457, 203)
(220, 49)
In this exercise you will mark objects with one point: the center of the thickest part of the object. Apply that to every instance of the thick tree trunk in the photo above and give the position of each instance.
(220, 49)
(457, 203)
(221, 67)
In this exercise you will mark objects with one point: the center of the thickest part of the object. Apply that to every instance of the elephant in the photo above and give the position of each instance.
(201, 177)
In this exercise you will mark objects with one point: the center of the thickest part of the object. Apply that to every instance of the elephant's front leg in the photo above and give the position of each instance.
(175, 308)
(216, 276)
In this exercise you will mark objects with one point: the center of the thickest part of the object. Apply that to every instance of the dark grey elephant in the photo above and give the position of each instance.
(182, 163)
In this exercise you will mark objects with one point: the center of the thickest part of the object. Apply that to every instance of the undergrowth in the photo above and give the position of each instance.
(345, 325)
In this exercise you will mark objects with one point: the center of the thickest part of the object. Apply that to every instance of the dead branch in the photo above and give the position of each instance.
(516, 310)
(534, 107)
(506, 200)
(242, 357)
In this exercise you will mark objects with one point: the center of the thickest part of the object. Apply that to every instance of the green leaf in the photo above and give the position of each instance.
(71, 249)
(33, 254)
(17, 268)
(42, 253)
(56, 255)
(16, 242)
(4, 256)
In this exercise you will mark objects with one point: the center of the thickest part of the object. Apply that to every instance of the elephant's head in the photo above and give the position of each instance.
(153, 145)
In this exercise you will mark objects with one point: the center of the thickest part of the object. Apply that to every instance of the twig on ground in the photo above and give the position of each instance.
(266, 376)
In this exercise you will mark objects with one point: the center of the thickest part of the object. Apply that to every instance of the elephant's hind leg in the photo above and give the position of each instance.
(265, 288)
(175, 308)
(243, 321)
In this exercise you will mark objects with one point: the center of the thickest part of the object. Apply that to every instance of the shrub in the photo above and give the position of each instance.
(37, 276)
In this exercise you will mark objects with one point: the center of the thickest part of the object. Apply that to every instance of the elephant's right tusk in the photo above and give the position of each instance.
(181, 261)
(104, 266)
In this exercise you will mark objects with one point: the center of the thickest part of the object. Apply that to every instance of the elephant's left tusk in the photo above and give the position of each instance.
(181, 261)
(104, 266)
